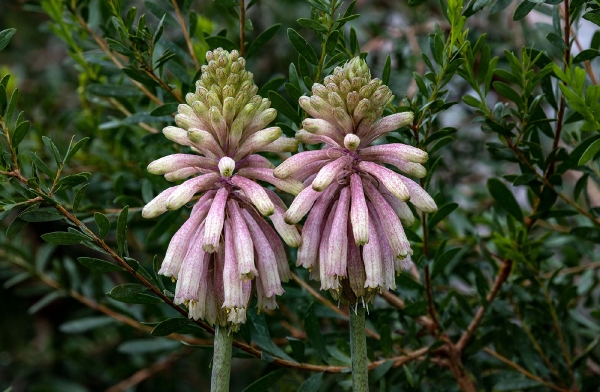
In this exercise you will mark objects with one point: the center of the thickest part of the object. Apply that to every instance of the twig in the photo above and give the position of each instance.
(126, 112)
(500, 279)
(185, 33)
(242, 27)
(523, 371)
(146, 373)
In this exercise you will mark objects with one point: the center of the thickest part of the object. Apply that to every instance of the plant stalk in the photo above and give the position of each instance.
(221, 366)
(358, 349)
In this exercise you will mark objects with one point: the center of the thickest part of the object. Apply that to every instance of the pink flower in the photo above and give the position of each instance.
(226, 242)
(356, 206)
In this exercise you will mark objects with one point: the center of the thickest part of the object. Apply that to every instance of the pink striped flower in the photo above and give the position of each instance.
(352, 199)
(226, 242)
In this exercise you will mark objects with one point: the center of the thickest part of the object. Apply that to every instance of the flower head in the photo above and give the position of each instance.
(226, 242)
(352, 199)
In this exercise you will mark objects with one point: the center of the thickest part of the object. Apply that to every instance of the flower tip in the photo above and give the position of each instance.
(351, 142)
(226, 166)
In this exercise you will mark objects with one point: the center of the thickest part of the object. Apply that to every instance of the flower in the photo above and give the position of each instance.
(352, 200)
(226, 244)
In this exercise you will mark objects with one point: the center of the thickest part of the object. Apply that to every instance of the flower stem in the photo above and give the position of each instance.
(358, 349)
(221, 365)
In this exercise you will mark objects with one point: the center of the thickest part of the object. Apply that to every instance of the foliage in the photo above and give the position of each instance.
(505, 295)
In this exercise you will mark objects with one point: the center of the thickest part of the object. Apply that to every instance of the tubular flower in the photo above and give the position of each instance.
(352, 199)
(226, 242)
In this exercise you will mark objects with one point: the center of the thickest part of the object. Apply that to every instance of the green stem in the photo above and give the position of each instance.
(221, 365)
(358, 348)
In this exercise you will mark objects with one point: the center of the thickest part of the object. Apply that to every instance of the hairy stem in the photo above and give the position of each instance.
(358, 349)
(221, 366)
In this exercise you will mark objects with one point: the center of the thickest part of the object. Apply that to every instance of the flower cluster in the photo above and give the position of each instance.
(353, 199)
(224, 125)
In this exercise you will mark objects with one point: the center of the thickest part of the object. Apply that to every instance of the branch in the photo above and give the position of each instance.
(242, 27)
(500, 279)
(185, 33)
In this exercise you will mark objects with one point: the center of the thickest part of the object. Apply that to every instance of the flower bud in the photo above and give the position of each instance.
(226, 166)
(351, 142)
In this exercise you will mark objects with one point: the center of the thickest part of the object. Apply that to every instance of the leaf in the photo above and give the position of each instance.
(63, 238)
(523, 9)
(222, 42)
(588, 54)
(168, 326)
(71, 181)
(313, 330)
(263, 383)
(514, 382)
(272, 84)
(506, 91)
(145, 346)
(589, 153)
(78, 196)
(262, 39)
(311, 24)
(165, 110)
(131, 293)
(74, 148)
(302, 46)
(40, 216)
(591, 234)
(331, 42)
(312, 384)
(20, 133)
(440, 214)
(122, 231)
(380, 371)
(45, 301)
(41, 165)
(385, 76)
(297, 349)
(99, 265)
(106, 90)
(442, 261)
(283, 106)
(5, 36)
(556, 40)
(504, 198)
(594, 18)
(103, 224)
(85, 324)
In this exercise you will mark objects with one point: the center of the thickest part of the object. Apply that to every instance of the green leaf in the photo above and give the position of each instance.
(165, 110)
(588, 54)
(283, 106)
(387, 68)
(594, 18)
(311, 24)
(523, 9)
(40, 216)
(514, 382)
(99, 265)
(313, 330)
(72, 181)
(41, 165)
(302, 46)
(63, 238)
(74, 148)
(45, 301)
(5, 36)
(506, 91)
(145, 346)
(441, 262)
(263, 383)
(272, 84)
(107, 90)
(20, 133)
(589, 153)
(591, 234)
(78, 196)
(85, 324)
(380, 371)
(131, 293)
(312, 384)
(168, 326)
(504, 198)
(103, 224)
(440, 214)
(3, 99)
(297, 348)
(331, 42)
(122, 231)
(221, 42)
(556, 40)
(262, 39)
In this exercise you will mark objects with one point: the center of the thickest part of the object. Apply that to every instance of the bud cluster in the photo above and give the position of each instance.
(354, 200)
(224, 125)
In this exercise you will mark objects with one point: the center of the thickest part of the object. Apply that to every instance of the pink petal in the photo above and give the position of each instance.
(158, 205)
(244, 248)
(255, 160)
(177, 135)
(318, 109)
(372, 259)
(396, 150)
(410, 168)
(323, 128)
(356, 268)
(288, 185)
(214, 221)
(387, 253)
(401, 208)
(312, 230)
(232, 284)
(393, 228)
(257, 141)
(309, 170)
(197, 309)
(388, 124)
(289, 233)
(192, 271)
(283, 144)
(296, 162)
(308, 138)
(301, 205)
(173, 162)
(255, 193)
(329, 173)
(205, 142)
(188, 189)
(265, 258)
(184, 173)
(391, 180)
(327, 281)
(180, 242)
(338, 239)
(359, 215)
(419, 196)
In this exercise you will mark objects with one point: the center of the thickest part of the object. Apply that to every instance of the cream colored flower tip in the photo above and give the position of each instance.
(225, 124)
(351, 198)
